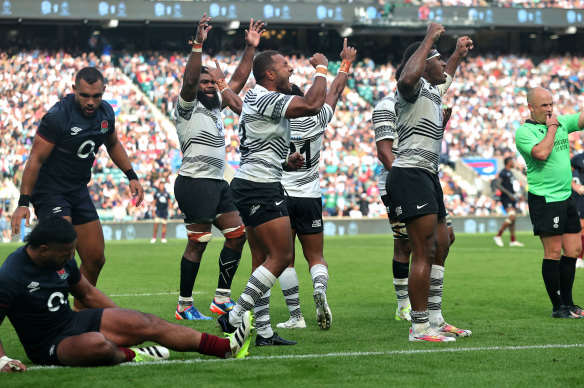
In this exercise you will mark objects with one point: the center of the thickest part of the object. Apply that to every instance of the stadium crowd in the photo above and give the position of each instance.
(488, 98)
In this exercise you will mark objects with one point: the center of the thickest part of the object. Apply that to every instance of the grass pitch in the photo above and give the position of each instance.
(496, 292)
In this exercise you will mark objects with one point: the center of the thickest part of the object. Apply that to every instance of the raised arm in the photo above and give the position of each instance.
(252, 40)
(348, 55)
(313, 100)
(188, 91)
(228, 97)
(463, 45)
(409, 80)
(542, 150)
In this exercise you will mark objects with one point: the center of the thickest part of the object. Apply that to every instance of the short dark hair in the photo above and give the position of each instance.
(53, 229)
(407, 55)
(508, 159)
(262, 62)
(90, 75)
(204, 70)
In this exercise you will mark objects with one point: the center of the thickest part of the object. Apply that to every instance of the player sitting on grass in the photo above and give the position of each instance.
(35, 281)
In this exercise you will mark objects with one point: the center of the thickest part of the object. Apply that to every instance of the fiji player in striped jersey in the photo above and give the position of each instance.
(386, 141)
(200, 189)
(413, 186)
(305, 204)
(264, 133)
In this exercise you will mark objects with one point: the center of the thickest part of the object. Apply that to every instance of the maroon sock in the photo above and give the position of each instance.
(581, 238)
(211, 345)
(513, 238)
(129, 353)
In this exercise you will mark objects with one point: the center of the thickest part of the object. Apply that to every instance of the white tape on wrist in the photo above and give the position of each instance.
(14, 364)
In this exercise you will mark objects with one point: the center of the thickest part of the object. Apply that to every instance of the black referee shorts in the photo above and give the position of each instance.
(553, 218)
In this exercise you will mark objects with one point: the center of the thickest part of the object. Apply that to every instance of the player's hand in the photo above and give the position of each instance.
(203, 28)
(318, 59)
(463, 45)
(20, 213)
(580, 190)
(253, 35)
(9, 365)
(446, 113)
(551, 119)
(137, 191)
(349, 53)
(295, 161)
(215, 72)
(435, 31)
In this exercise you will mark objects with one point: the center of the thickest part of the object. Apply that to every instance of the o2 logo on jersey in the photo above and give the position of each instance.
(86, 149)
(56, 300)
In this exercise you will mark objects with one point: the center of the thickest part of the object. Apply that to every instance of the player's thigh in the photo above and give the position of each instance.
(422, 232)
(258, 252)
(90, 241)
(126, 327)
(228, 220)
(276, 238)
(84, 349)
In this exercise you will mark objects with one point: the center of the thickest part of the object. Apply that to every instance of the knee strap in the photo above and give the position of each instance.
(399, 231)
(200, 237)
(234, 232)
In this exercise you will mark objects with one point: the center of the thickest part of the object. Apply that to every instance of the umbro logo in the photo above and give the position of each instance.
(316, 223)
(33, 286)
(57, 209)
(75, 131)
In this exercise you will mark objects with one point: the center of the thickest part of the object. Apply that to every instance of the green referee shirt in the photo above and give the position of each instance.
(551, 178)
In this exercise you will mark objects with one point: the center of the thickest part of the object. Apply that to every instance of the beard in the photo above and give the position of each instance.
(210, 103)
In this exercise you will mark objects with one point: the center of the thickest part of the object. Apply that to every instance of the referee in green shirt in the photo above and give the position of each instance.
(543, 142)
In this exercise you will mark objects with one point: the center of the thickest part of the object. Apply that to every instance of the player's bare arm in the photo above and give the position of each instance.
(542, 150)
(118, 154)
(228, 96)
(7, 364)
(384, 153)
(252, 40)
(409, 80)
(463, 45)
(348, 56)
(91, 296)
(40, 151)
(313, 100)
(188, 91)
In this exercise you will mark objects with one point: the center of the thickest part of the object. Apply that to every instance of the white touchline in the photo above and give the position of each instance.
(350, 354)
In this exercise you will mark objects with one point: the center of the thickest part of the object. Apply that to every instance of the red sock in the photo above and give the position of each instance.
(211, 345)
(512, 238)
(129, 353)
(500, 232)
(581, 238)
(163, 235)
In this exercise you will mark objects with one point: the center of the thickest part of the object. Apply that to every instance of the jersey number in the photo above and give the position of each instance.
(304, 150)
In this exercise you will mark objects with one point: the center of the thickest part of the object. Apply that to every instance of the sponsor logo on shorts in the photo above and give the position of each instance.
(316, 223)
(75, 131)
(278, 203)
(556, 222)
(52, 350)
(421, 206)
(398, 211)
(57, 209)
(33, 286)
(254, 209)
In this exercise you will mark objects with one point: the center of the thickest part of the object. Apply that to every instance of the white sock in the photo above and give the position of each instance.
(260, 281)
(320, 276)
(222, 295)
(261, 311)
(401, 292)
(289, 283)
(435, 295)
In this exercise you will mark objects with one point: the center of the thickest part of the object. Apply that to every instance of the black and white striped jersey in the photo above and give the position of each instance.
(384, 120)
(264, 135)
(419, 127)
(202, 140)
(307, 135)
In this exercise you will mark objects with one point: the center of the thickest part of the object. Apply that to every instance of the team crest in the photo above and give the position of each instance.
(62, 274)
(104, 126)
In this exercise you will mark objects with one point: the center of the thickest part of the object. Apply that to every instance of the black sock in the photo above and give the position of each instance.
(567, 275)
(228, 263)
(551, 278)
(401, 270)
(188, 274)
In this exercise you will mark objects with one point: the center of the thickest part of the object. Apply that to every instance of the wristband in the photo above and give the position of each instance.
(24, 200)
(12, 363)
(345, 66)
(321, 69)
(222, 85)
(319, 75)
(131, 174)
(197, 47)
